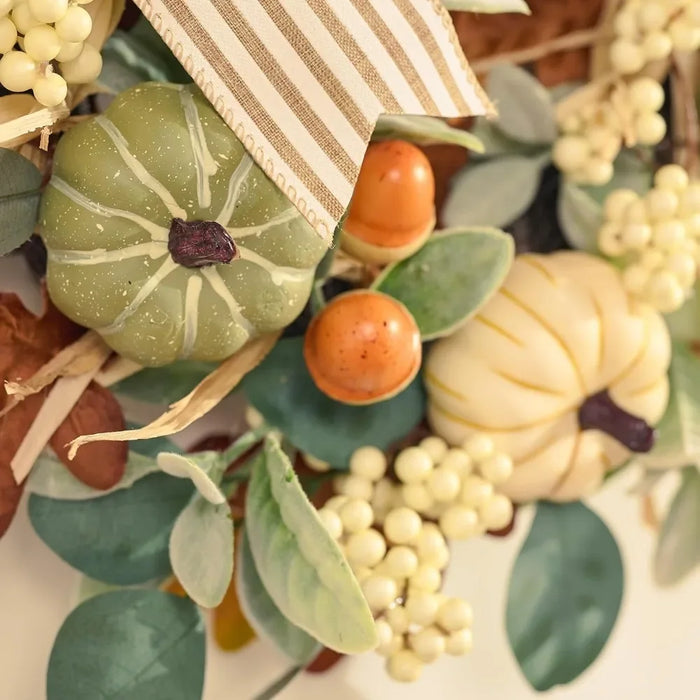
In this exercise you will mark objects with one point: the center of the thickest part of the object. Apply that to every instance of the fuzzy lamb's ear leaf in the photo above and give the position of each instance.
(299, 563)
(580, 217)
(424, 130)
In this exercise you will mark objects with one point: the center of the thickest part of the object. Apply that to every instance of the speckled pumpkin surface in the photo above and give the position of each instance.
(160, 152)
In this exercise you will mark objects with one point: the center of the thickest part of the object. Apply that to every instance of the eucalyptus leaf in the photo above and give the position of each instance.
(20, 181)
(525, 108)
(564, 596)
(678, 432)
(201, 550)
(121, 538)
(299, 563)
(424, 130)
(488, 6)
(450, 278)
(280, 684)
(164, 385)
(129, 644)
(283, 391)
(580, 217)
(49, 477)
(493, 193)
(678, 547)
(262, 613)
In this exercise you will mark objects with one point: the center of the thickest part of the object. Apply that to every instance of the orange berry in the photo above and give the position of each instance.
(393, 207)
(364, 346)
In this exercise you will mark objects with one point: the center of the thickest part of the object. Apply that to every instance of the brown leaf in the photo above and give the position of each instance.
(98, 466)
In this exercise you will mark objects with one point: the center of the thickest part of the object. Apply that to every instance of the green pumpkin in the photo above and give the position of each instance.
(160, 153)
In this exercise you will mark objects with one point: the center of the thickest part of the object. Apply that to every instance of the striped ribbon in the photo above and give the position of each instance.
(302, 82)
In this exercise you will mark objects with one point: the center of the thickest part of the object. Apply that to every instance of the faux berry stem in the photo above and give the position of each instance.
(688, 122)
(200, 243)
(600, 412)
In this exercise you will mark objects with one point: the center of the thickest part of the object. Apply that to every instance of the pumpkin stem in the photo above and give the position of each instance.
(200, 243)
(600, 412)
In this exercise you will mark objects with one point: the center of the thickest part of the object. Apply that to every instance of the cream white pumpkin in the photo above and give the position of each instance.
(560, 329)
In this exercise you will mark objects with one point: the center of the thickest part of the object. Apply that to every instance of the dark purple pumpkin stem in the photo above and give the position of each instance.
(600, 412)
(200, 243)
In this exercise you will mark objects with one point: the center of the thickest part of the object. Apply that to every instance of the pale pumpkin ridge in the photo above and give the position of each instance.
(430, 378)
(98, 256)
(532, 262)
(537, 451)
(527, 385)
(478, 426)
(637, 358)
(157, 233)
(569, 467)
(558, 339)
(647, 387)
(278, 274)
(204, 163)
(191, 315)
(242, 231)
(137, 168)
(495, 327)
(234, 187)
(601, 329)
(148, 288)
(220, 289)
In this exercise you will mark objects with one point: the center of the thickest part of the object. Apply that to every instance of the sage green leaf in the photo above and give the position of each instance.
(129, 644)
(580, 217)
(203, 469)
(299, 563)
(164, 384)
(424, 130)
(280, 684)
(496, 143)
(121, 538)
(50, 478)
(564, 595)
(488, 6)
(262, 613)
(525, 108)
(201, 550)
(20, 181)
(678, 547)
(283, 391)
(450, 278)
(493, 193)
(684, 324)
(678, 432)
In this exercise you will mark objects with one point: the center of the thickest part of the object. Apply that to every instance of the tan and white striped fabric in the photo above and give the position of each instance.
(302, 82)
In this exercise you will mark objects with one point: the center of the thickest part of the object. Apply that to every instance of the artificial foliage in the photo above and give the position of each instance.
(438, 369)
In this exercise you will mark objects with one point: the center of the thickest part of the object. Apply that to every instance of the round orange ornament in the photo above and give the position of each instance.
(363, 347)
(392, 211)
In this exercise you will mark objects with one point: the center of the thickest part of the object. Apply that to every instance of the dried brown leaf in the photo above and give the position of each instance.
(98, 466)
(202, 399)
(21, 129)
(105, 18)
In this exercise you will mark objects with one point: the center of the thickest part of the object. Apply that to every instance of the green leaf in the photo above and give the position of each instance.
(678, 548)
(493, 193)
(164, 384)
(283, 391)
(525, 108)
(138, 55)
(299, 563)
(203, 469)
(678, 432)
(20, 181)
(50, 478)
(280, 684)
(201, 550)
(129, 644)
(564, 596)
(488, 6)
(684, 324)
(424, 130)
(496, 143)
(262, 613)
(580, 217)
(121, 538)
(450, 278)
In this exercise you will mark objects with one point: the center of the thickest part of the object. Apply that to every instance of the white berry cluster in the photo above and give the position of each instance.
(36, 33)
(592, 138)
(394, 535)
(650, 30)
(657, 237)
